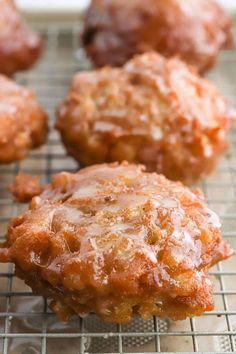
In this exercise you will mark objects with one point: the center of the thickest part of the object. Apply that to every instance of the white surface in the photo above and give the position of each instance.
(54, 6)
(230, 4)
(60, 6)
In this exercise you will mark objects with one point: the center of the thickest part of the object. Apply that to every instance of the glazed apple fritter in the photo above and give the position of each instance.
(153, 111)
(19, 47)
(194, 30)
(22, 120)
(119, 241)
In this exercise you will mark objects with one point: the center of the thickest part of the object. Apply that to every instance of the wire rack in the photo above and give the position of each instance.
(26, 324)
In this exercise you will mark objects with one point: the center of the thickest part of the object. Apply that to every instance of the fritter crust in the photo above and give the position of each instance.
(23, 122)
(118, 241)
(25, 187)
(195, 30)
(19, 47)
(153, 111)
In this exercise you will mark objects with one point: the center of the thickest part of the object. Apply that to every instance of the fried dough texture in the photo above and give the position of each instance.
(118, 241)
(23, 123)
(153, 111)
(194, 30)
(20, 48)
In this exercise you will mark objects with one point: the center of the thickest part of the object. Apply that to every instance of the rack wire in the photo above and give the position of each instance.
(26, 324)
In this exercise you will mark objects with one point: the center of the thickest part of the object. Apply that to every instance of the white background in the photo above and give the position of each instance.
(52, 5)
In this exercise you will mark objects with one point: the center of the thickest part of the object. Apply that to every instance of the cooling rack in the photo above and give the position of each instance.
(26, 324)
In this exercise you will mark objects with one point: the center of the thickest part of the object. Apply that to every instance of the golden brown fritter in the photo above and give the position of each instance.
(118, 241)
(25, 187)
(153, 111)
(23, 122)
(195, 30)
(19, 47)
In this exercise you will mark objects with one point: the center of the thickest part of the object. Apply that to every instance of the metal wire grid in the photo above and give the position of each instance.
(26, 324)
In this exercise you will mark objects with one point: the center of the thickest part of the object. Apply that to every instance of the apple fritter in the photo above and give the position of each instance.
(19, 47)
(194, 30)
(118, 241)
(22, 120)
(153, 111)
